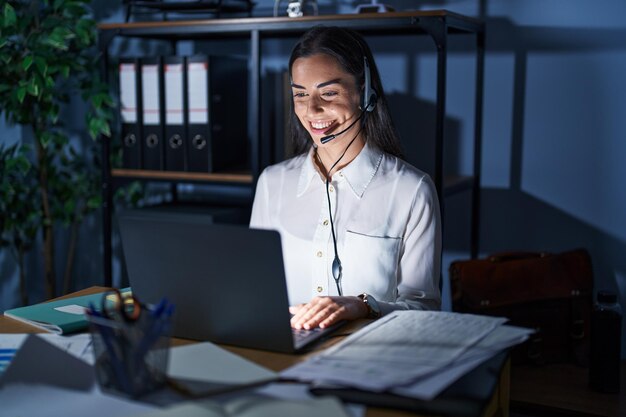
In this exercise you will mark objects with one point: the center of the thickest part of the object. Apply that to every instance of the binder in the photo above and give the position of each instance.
(152, 101)
(175, 135)
(217, 113)
(130, 112)
(198, 132)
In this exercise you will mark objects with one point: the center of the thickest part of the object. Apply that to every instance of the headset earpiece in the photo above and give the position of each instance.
(369, 97)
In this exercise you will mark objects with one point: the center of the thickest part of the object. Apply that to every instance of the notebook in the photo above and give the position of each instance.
(226, 281)
(61, 316)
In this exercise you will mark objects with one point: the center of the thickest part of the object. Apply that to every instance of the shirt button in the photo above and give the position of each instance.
(325, 222)
(341, 174)
(331, 188)
(319, 254)
(320, 289)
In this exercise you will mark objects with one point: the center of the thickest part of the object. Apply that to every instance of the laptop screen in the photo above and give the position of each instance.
(227, 282)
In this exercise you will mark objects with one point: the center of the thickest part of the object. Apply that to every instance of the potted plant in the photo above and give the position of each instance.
(47, 54)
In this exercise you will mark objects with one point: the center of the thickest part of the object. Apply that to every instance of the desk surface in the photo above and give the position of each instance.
(498, 405)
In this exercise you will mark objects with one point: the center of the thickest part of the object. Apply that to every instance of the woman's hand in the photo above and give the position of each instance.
(325, 311)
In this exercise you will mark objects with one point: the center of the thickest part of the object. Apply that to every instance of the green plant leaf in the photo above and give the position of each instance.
(41, 65)
(45, 136)
(96, 100)
(33, 87)
(94, 202)
(106, 129)
(22, 164)
(9, 15)
(28, 61)
(59, 38)
(21, 93)
(45, 140)
(92, 127)
(56, 43)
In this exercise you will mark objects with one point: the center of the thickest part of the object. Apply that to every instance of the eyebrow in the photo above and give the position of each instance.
(324, 84)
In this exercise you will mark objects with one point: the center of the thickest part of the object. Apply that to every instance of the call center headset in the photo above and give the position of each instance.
(368, 103)
(369, 97)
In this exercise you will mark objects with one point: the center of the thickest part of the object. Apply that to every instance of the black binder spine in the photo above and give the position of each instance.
(228, 110)
(130, 112)
(217, 113)
(175, 132)
(198, 133)
(152, 100)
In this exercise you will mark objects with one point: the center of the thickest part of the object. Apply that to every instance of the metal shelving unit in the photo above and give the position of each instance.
(437, 24)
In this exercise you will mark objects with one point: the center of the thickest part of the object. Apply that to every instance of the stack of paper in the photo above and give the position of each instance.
(411, 353)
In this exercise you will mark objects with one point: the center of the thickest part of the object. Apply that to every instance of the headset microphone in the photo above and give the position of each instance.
(328, 138)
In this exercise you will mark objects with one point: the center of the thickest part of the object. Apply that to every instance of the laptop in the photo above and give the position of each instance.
(227, 282)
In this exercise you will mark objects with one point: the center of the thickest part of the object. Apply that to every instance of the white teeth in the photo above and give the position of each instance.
(321, 125)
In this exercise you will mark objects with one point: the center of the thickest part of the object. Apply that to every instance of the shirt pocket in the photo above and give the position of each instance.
(370, 265)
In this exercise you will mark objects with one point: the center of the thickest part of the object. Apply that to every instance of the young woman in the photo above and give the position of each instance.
(360, 227)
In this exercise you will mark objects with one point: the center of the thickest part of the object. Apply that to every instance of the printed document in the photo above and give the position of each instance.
(429, 387)
(397, 349)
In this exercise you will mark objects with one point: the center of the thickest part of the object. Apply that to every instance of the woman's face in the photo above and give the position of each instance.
(326, 98)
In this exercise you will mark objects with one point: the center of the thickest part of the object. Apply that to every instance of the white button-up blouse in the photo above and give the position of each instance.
(387, 222)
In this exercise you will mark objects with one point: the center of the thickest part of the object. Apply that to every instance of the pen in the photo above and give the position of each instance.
(158, 310)
(155, 328)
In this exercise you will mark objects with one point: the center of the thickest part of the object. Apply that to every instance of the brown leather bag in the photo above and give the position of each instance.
(551, 293)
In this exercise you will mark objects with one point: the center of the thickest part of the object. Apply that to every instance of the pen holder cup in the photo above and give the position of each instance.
(130, 358)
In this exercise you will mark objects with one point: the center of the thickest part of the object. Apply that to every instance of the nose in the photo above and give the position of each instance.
(315, 105)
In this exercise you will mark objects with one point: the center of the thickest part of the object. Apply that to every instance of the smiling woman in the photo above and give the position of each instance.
(349, 56)
(346, 195)
(326, 101)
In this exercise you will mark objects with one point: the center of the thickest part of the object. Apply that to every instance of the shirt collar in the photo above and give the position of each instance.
(359, 173)
(307, 173)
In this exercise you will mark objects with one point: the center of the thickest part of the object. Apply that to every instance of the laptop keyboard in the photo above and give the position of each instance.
(302, 336)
